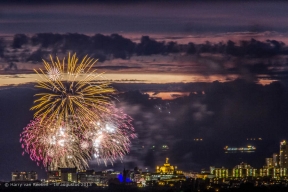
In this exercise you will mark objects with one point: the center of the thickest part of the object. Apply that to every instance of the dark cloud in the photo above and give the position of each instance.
(252, 60)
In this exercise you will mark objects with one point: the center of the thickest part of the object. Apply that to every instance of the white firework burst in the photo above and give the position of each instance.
(54, 74)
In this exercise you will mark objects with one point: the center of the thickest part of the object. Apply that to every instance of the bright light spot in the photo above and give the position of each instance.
(54, 74)
(97, 141)
(84, 145)
(109, 128)
(61, 131)
(61, 142)
(50, 153)
(53, 140)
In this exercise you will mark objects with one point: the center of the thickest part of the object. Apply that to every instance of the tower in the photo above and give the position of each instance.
(283, 154)
(276, 160)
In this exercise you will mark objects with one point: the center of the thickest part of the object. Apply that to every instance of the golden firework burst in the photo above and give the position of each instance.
(70, 87)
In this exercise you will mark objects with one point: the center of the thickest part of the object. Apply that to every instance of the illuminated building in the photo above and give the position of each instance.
(63, 175)
(24, 176)
(68, 174)
(168, 169)
(276, 173)
(283, 154)
(244, 170)
(212, 168)
(88, 176)
(269, 162)
(135, 175)
(220, 172)
(139, 177)
(191, 174)
(207, 174)
(266, 172)
(54, 176)
(100, 178)
(276, 160)
(168, 173)
(275, 167)
(283, 172)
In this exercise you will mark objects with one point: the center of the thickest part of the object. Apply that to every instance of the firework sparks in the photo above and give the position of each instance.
(105, 139)
(56, 146)
(70, 87)
(53, 74)
(109, 137)
(74, 119)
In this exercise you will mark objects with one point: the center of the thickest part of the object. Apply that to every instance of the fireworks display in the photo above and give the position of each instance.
(54, 145)
(65, 145)
(109, 138)
(75, 120)
(71, 86)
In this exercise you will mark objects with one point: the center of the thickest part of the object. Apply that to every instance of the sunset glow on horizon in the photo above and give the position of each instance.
(18, 79)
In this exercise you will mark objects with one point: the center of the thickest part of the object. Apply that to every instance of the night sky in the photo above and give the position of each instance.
(200, 86)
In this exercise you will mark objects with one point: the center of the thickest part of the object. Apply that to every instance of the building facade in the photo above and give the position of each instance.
(24, 176)
(276, 160)
(64, 175)
(88, 176)
(167, 173)
(283, 155)
(269, 162)
(68, 175)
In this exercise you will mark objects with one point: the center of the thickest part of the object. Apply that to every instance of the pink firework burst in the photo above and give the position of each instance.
(68, 144)
(53, 144)
(110, 136)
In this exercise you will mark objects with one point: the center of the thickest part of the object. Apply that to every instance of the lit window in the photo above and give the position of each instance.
(69, 176)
